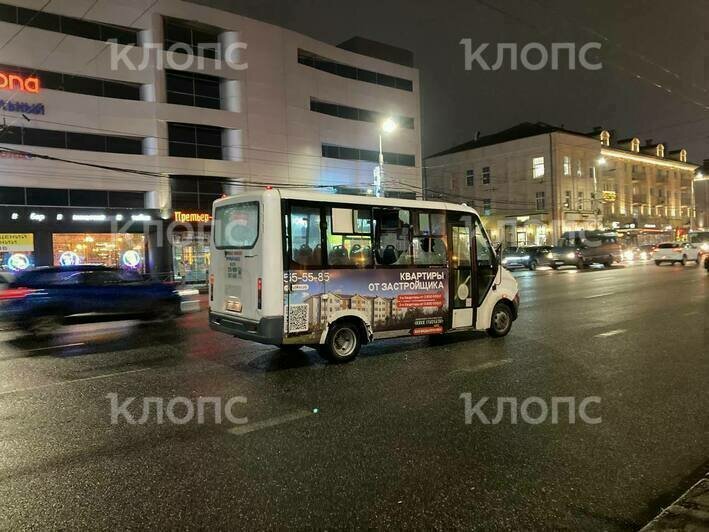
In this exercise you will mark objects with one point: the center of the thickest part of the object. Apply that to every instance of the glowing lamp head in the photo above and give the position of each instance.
(601, 160)
(389, 125)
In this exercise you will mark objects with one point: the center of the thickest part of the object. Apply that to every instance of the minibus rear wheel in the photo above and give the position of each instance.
(343, 342)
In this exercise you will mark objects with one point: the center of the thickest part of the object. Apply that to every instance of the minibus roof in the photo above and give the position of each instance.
(348, 198)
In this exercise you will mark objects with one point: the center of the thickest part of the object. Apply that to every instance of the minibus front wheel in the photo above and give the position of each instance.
(343, 341)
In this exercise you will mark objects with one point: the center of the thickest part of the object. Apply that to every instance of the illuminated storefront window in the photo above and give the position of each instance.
(191, 257)
(16, 251)
(121, 250)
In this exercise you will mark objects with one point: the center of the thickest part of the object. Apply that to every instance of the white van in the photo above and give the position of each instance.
(293, 268)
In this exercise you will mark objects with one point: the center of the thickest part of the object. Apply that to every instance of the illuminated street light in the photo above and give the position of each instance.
(389, 125)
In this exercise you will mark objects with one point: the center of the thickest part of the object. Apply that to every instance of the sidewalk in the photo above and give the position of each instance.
(688, 513)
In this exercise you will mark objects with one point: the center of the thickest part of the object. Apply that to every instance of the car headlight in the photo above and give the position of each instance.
(504, 261)
(550, 255)
(628, 255)
(571, 255)
(705, 246)
(643, 255)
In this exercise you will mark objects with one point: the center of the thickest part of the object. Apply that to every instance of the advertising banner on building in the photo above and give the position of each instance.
(387, 299)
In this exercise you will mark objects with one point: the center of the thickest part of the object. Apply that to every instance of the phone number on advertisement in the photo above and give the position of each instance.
(306, 277)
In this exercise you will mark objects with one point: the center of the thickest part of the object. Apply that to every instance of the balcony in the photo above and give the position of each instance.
(639, 199)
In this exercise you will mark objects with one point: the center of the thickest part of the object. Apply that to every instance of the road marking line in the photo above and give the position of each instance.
(691, 313)
(96, 377)
(268, 423)
(483, 366)
(55, 347)
(599, 295)
(611, 333)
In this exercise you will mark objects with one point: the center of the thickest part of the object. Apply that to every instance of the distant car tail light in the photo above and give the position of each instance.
(259, 288)
(15, 293)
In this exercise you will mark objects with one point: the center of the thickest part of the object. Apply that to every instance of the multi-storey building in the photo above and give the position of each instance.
(533, 182)
(103, 140)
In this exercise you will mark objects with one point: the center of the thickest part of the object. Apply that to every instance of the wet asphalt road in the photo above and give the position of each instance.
(381, 442)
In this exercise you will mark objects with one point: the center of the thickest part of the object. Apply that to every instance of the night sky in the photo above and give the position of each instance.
(665, 43)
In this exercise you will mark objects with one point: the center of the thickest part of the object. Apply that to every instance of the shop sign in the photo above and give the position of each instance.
(22, 107)
(199, 217)
(609, 195)
(16, 242)
(15, 82)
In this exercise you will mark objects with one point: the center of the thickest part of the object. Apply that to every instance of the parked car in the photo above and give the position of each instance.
(41, 300)
(674, 252)
(526, 257)
(582, 248)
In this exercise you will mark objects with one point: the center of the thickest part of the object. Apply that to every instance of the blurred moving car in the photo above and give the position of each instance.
(526, 257)
(42, 300)
(639, 253)
(582, 248)
(674, 252)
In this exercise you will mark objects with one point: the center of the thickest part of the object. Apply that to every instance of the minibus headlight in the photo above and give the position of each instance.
(570, 255)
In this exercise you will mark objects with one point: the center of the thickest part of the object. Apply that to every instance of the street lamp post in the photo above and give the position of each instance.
(388, 126)
(594, 204)
(693, 215)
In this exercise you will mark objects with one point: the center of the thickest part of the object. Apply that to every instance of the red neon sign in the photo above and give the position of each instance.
(17, 82)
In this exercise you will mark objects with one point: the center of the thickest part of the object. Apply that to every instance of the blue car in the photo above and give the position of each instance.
(41, 300)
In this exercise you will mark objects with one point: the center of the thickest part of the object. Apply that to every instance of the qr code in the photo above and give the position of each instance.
(298, 318)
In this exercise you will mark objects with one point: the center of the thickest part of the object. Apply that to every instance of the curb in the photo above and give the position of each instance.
(688, 513)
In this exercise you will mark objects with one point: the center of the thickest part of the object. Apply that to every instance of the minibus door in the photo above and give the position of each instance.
(461, 297)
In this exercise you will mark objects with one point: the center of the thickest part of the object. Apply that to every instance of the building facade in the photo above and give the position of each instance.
(139, 136)
(533, 182)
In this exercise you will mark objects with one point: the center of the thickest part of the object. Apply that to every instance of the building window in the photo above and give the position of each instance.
(683, 156)
(339, 69)
(635, 145)
(487, 207)
(196, 90)
(605, 138)
(79, 84)
(660, 150)
(567, 199)
(486, 175)
(196, 193)
(579, 201)
(470, 177)
(353, 113)
(60, 197)
(196, 39)
(70, 140)
(67, 25)
(567, 165)
(538, 167)
(540, 200)
(355, 154)
(190, 140)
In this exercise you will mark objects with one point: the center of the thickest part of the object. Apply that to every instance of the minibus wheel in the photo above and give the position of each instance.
(501, 321)
(343, 342)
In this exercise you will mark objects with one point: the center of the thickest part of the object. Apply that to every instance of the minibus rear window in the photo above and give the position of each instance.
(236, 226)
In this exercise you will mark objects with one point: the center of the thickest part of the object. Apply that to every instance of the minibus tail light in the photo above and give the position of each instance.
(259, 288)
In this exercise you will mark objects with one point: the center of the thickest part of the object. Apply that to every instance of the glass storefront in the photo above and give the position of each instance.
(190, 257)
(16, 252)
(122, 250)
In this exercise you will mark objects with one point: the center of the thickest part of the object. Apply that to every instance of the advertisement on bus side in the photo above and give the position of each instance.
(404, 300)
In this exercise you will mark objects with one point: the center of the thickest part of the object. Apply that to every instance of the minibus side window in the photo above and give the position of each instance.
(349, 239)
(306, 246)
(392, 237)
(429, 242)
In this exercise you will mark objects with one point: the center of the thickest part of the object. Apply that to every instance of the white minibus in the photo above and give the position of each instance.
(293, 268)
